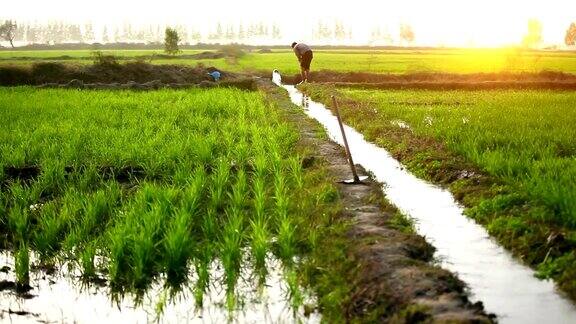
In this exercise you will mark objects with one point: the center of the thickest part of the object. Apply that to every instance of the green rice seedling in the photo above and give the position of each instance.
(181, 176)
(260, 197)
(204, 148)
(239, 194)
(52, 180)
(120, 244)
(287, 240)
(281, 199)
(231, 253)
(70, 215)
(145, 249)
(161, 305)
(20, 195)
(49, 232)
(209, 225)
(142, 261)
(87, 259)
(295, 168)
(294, 290)
(240, 153)
(193, 194)
(260, 165)
(89, 178)
(177, 249)
(260, 245)
(4, 226)
(219, 181)
(202, 263)
(96, 211)
(285, 227)
(18, 220)
(260, 235)
(22, 264)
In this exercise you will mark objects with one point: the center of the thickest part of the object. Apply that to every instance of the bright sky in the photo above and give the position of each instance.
(435, 22)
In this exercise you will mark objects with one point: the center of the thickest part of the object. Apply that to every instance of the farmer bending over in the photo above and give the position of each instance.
(304, 55)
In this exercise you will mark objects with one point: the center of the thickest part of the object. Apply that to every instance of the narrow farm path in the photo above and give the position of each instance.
(394, 280)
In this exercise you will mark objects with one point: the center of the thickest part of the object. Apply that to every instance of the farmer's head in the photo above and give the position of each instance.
(294, 44)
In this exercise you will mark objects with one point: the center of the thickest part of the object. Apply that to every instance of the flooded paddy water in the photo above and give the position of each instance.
(506, 287)
(61, 297)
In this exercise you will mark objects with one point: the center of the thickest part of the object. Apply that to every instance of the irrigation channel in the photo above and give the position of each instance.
(506, 287)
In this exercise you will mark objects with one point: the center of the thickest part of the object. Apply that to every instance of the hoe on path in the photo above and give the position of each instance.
(355, 179)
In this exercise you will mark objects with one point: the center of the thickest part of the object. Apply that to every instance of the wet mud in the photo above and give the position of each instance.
(132, 75)
(121, 174)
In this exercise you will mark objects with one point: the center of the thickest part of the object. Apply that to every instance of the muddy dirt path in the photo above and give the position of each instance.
(444, 81)
(395, 272)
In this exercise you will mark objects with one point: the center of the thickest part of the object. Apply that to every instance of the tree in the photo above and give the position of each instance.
(88, 33)
(219, 33)
(171, 40)
(406, 33)
(8, 31)
(105, 38)
(570, 38)
(276, 33)
(534, 35)
(31, 34)
(241, 32)
(74, 33)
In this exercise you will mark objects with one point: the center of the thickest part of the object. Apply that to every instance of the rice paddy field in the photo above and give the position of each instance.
(340, 60)
(137, 189)
(523, 141)
(174, 193)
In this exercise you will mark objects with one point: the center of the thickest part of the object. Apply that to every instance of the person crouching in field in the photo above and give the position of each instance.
(304, 54)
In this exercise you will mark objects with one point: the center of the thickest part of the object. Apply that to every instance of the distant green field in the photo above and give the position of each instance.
(377, 61)
(79, 54)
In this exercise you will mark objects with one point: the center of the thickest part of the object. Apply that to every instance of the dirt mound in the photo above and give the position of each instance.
(208, 56)
(244, 84)
(138, 72)
(463, 85)
(444, 81)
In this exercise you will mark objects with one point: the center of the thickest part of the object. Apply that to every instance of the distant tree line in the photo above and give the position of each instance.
(59, 32)
(405, 35)
(331, 32)
(62, 32)
(241, 32)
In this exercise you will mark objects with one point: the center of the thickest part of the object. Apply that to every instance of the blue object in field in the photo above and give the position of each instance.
(215, 75)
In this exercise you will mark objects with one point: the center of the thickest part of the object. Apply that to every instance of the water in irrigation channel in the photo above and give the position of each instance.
(505, 286)
(61, 298)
